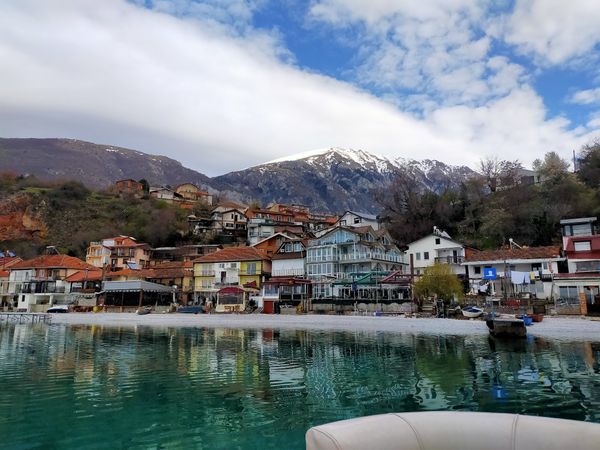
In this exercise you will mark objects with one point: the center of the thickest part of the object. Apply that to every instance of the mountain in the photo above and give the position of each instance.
(95, 165)
(334, 179)
(327, 180)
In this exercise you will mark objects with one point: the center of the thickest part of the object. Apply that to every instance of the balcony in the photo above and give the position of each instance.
(288, 273)
(223, 284)
(206, 273)
(369, 256)
(322, 258)
(450, 259)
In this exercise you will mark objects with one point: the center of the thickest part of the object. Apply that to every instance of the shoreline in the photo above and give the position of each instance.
(561, 328)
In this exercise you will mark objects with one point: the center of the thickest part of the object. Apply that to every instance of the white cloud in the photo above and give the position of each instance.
(554, 30)
(586, 97)
(117, 73)
(436, 48)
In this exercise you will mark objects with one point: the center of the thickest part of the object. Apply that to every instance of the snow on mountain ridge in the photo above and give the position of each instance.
(360, 157)
(368, 160)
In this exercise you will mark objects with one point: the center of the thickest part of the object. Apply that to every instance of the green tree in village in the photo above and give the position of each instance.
(438, 281)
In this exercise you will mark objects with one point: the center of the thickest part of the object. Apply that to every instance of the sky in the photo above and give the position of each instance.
(222, 85)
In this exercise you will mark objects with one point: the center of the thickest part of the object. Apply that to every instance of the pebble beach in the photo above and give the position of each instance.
(563, 328)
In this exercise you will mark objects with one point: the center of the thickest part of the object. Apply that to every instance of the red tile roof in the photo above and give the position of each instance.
(515, 253)
(82, 275)
(8, 261)
(4, 273)
(53, 262)
(175, 269)
(234, 254)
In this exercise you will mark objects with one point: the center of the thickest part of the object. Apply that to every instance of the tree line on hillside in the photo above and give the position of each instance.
(75, 215)
(497, 204)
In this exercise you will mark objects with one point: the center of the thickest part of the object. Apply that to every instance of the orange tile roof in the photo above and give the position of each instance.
(82, 275)
(53, 262)
(8, 261)
(515, 253)
(234, 254)
(4, 273)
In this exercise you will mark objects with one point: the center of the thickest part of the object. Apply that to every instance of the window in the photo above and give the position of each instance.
(568, 293)
(418, 256)
(583, 246)
(251, 268)
(425, 255)
(343, 222)
(477, 270)
(437, 241)
(357, 220)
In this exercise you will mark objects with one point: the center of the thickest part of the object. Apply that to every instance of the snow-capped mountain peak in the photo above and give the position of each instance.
(331, 154)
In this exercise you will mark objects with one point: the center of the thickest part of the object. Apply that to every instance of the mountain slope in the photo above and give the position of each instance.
(95, 165)
(334, 179)
(328, 180)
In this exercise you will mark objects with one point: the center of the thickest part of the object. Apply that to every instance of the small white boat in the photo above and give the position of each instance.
(58, 309)
(472, 312)
(144, 310)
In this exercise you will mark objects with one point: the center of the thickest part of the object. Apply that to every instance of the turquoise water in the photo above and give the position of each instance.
(162, 388)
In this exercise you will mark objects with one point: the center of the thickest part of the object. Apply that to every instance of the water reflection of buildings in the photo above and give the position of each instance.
(234, 377)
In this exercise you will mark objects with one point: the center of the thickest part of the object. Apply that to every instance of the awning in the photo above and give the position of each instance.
(135, 286)
(231, 291)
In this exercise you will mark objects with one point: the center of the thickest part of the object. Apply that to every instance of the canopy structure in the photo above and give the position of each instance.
(232, 290)
(135, 286)
(136, 293)
(362, 279)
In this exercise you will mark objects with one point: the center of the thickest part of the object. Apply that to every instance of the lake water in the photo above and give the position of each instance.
(74, 387)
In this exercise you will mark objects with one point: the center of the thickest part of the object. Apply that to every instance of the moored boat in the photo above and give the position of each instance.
(472, 312)
(537, 317)
(144, 310)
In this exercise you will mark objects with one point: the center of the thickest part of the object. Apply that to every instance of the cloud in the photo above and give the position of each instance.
(191, 88)
(586, 97)
(438, 49)
(552, 30)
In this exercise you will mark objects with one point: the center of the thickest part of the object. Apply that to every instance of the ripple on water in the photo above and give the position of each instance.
(216, 388)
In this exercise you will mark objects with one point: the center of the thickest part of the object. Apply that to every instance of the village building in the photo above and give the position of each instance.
(271, 244)
(437, 247)
(288, 286)
(188, 252)
(229, 277)
(7, 260)
(342, 256)
(41, 282)
(358, 219)
(118, 253)
(162, 193)
(578, 291)
(177, 275)
(517, 273)
(129, 186)
(129, 296)
(229, 220)
(191, 192)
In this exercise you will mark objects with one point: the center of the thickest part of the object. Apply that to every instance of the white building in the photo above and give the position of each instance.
(523, 272)
(358, 219)
(41, 282)
(345, 253)
(438, 247)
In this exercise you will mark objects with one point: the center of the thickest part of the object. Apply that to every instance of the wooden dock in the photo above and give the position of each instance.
(22, 317)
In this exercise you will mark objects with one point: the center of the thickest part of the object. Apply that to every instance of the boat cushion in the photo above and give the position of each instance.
(451, 430)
